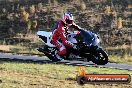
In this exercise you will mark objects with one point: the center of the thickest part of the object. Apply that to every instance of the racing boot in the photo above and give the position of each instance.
(60, 57)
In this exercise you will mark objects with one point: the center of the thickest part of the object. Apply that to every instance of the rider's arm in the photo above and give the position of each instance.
(64, 40)
(75, 26)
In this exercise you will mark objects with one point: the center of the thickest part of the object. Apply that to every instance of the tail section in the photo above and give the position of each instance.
(46, 37)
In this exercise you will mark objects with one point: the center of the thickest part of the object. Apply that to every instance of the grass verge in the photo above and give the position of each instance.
(126, 59)
(27, 74)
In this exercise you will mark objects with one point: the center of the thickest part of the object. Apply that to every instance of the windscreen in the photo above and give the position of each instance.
(89, 38)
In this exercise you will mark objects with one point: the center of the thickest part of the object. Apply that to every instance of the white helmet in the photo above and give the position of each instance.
(67, 18)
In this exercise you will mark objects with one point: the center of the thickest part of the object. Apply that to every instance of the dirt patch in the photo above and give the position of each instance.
(5, 47)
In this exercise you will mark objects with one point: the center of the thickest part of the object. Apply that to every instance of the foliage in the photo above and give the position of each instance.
(107, 10)
(32, 9)
(24, 16)
(119, 23)
(83, 6)
(40, 6)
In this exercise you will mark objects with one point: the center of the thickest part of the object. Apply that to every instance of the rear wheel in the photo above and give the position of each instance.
(50, 54)
(52, 57)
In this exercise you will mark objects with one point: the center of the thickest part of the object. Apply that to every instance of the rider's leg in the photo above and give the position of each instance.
(62, 49)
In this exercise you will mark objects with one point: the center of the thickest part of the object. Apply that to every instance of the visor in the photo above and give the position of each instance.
(69, 21)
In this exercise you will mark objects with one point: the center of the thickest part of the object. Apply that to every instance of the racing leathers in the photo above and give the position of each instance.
(59, 37)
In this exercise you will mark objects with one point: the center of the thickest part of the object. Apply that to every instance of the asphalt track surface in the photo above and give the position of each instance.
(66, 62)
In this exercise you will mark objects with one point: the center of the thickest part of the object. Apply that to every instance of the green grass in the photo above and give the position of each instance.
(22, 74)
(121, 59)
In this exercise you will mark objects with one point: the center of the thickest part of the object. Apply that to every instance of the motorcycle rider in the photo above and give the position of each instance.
(60, 32)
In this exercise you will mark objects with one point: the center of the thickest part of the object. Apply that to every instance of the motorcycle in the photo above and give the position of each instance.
(87, 47)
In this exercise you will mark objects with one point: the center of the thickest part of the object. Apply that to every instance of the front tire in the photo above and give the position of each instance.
(100, 58)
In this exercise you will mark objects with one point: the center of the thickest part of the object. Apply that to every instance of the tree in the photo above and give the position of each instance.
(107, 10)
(119, 23)
(32, 9)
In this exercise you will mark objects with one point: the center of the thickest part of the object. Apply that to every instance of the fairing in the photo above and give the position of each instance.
(89, 38)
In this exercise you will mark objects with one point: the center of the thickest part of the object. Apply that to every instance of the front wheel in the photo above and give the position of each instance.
(100, 57)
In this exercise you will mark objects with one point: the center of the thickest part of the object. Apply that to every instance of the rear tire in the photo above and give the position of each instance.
(47, 53)
(51, 57)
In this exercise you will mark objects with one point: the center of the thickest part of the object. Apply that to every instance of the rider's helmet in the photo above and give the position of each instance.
(67, 18)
